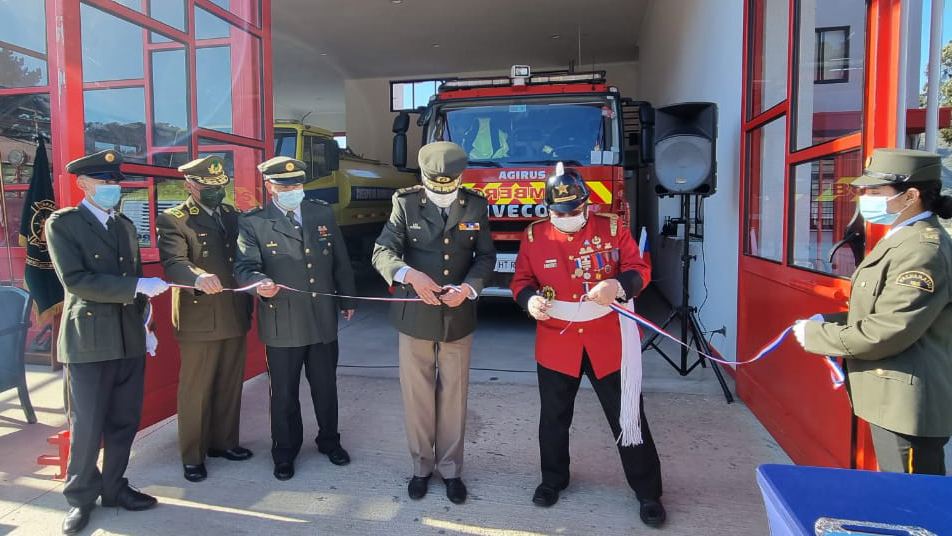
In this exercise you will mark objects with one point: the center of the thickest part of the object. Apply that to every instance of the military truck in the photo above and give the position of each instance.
(359, 189)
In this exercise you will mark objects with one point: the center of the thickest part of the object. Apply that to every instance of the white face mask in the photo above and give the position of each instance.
(569, 224)
(442, 200)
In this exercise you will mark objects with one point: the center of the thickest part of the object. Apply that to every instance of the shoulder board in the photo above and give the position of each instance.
(178, 213)
(254, 210)
(612, 220)
(410, 189)
(929, 235)
(529, 229)
(476, 193)
(319, 202)
(229, 208)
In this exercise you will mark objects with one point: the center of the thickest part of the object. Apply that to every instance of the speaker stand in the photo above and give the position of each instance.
(686, 314)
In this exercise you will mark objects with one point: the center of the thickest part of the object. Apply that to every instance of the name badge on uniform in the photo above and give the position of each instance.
(551, 263)
(469, 226)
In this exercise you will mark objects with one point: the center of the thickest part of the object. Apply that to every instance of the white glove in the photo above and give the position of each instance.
(151, 286)
(151, 343)
(799, 331)
(538, 307)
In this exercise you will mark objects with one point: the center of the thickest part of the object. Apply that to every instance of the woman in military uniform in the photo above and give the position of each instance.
(897, 334)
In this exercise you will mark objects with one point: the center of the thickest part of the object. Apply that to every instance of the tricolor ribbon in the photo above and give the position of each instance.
(257, 284)
(836, 371)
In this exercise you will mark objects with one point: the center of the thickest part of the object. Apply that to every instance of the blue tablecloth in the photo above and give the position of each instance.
(796, 496)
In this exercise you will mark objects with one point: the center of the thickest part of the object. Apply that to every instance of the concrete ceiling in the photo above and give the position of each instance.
(320, 43)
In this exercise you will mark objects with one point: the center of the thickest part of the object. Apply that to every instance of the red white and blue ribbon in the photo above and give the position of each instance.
(455, 288)
(836, 371)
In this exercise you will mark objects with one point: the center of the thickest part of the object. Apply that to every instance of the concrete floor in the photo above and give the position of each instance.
(709, 452)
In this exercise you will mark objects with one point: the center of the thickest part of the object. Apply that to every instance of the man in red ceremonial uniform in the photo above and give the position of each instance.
(563, 260)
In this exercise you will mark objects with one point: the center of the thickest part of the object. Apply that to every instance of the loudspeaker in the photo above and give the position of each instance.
(685, 149)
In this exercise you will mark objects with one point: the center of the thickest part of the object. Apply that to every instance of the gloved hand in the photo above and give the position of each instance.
(799, 331)
(538, 307)
(151, 286)
(151, 343)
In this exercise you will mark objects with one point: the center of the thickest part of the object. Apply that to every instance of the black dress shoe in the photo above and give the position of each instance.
(418, 486)
(284, 470)
(236, 454)
(131, 499)
(77, 518)
(546, 495)
(337, 455)
(195, 473)
(652, 513)
(455, 490)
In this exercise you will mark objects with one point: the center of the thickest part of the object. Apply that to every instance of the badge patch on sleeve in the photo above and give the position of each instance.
(914, 279)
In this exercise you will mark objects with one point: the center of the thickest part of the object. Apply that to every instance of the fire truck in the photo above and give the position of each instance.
(517, 128)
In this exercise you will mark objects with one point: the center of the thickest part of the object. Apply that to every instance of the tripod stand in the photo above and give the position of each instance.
(686, 314)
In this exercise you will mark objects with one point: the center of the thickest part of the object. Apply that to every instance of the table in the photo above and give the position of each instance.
(796, 496)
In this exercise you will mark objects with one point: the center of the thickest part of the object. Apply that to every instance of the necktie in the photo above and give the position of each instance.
(443, 212)
(294, 221)
(217, 216)
(113, 227)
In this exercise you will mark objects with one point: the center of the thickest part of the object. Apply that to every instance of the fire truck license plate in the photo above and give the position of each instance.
(506, 262)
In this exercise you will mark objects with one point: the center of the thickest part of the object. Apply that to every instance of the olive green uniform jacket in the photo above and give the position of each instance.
(192, 243)
(103, 318)
(897, 334)
(457, 251)
(312, 259)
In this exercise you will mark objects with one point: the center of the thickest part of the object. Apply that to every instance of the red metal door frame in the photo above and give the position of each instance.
(791, 393)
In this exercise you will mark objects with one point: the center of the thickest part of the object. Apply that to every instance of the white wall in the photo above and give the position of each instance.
(369, 119)
(691, 50)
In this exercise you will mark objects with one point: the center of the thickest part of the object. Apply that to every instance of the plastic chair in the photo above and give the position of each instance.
(15, 307)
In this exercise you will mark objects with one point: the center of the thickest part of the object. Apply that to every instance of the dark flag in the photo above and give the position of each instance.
(39, 276)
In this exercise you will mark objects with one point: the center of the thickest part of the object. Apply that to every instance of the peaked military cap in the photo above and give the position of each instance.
(209, 171)
(892, 166)
(283, 170)
(441, 164)
(103, 165)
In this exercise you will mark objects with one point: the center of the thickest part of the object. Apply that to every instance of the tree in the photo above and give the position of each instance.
(14, 72)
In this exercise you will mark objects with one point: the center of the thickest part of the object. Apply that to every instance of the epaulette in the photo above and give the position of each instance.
(410, 189)
(529, 229)
(254, 210)
(613, 222)
(929, 235)
(472, 191)
(319, 202)
(229, 208)
(175, 212)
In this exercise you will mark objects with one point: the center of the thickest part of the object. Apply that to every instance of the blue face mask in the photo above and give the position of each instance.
(873, 208)
(291, 199)
(107, 196)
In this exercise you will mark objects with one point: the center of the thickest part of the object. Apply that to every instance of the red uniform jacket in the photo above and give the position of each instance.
(571, 264)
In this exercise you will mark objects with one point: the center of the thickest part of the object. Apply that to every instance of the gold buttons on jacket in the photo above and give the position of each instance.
(89, 313)
(311, 280)
(231, 259)
(446, 272)
(307, 250)
(271, 305)
(96, 256)
(446, 240)
(313, 294)
(581, 330)
(309, 265)
(326, 252)
(446, 256)
(120, 259)
(194, 301)
(569, 238)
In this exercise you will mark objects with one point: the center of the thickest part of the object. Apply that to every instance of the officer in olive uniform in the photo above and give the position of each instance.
(197, 245)
(437, 246)
(102, 337)
(297, 244)
(897, 334)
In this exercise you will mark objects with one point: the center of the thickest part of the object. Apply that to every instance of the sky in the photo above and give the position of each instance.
(924, 42)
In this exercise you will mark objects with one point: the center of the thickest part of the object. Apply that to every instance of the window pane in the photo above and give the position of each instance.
(169, 98)
(285, 142)
(764, 228)
(240, 165)
(22, 43)
(21, 117)
(115, 119)
(831, 43)
(112, 47)
(171, 12)
(213, 67)
(250, 10)
(170, 159)
(15, 202)
(768, 60)
(209, 26)
(341, 141)
(135, 205)
(823, 205)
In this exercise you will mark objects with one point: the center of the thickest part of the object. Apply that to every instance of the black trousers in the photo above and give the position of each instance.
(284, 368)
(105, 406)
(557, 393)
(901, 453)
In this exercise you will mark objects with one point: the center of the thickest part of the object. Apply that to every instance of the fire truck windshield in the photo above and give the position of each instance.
(528, 132)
